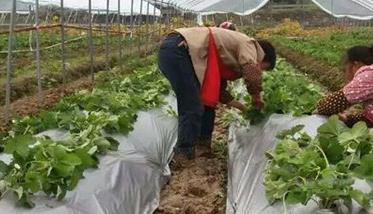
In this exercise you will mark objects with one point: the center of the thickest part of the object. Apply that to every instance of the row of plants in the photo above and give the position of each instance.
(329, 48)
(284, 91)
(323, 168)
(42, 164)
(327, 44)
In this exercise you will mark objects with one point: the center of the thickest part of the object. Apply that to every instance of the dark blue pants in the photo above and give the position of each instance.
(175, 63)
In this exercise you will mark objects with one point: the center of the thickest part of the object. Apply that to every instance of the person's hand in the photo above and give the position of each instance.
(258, 102)
(343, 116)
(238, 105)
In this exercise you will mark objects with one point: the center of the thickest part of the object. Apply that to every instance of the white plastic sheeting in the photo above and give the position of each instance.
(6, 6)
(125, 5)
(247, 161)
(128, 181)
(357, 9)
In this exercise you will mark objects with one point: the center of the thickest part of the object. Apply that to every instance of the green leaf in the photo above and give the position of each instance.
(34, 181)
(332, 128)
(333, 151)
(125, 123)
(87, 160)
(74, 180)
(25, 201)
(360, 198)
(365, 170)
(358, 132)
(102, 144)
(19, 145)
(114, 143)
(19, 192)
(61, 193)
(71, 159)
(255, 116)
(297, 196)
(289, 132)
(4, 168)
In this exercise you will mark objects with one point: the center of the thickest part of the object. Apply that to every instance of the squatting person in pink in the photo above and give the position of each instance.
(359, 90)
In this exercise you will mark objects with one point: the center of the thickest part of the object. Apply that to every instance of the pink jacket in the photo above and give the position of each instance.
(360, 90)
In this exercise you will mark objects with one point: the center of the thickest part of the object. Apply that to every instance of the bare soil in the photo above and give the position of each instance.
(31, 106)
(26, 85)
(199, 186)
(29, 103)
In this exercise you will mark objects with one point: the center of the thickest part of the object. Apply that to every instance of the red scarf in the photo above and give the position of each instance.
(215, 72)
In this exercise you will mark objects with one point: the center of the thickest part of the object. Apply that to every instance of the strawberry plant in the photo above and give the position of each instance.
(301, 168)
(41, 164)
(331, 47)
(284, 92)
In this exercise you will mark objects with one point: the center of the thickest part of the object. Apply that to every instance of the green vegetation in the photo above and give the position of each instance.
(329, 48)
(55, 167)
(285, 92)
(302, 168)
(77, 51)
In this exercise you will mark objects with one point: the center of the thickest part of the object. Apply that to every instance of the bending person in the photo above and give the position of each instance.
(198, 62)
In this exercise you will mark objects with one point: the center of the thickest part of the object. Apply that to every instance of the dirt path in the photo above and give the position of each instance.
(199, 187)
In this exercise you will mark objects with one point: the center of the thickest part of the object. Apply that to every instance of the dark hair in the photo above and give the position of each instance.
(363, 54)
(270, 53)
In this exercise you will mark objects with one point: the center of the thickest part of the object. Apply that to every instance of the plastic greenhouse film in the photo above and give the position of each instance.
(126, 182)
(246, 192)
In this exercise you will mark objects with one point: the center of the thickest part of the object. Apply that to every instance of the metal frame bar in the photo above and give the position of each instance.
(90, 40)
(107, 54)
(9, 69)
(63, 54)
(120, 38)
(37, 53)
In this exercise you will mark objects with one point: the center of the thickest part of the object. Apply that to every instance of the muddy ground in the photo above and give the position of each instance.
(199, 186)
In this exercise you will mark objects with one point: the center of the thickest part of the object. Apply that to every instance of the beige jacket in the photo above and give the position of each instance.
(236, 50)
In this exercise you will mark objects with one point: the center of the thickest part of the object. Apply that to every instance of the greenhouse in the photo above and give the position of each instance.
(186, 106)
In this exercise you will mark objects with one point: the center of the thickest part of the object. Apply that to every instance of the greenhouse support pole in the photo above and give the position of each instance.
(69, 17)
(47, 15)
(28, 15)
(139, 28)
(112, 19)
(9, 62)
(131, 27)
(38, 69)
(75, 16)
(120, 37)
(131, 15)
(90, 39)
(107, 35)
(2, 18)
(147, 28)
(173, 15)
(161, 19)
(63, 54)
(155, 20)
(167, 19)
